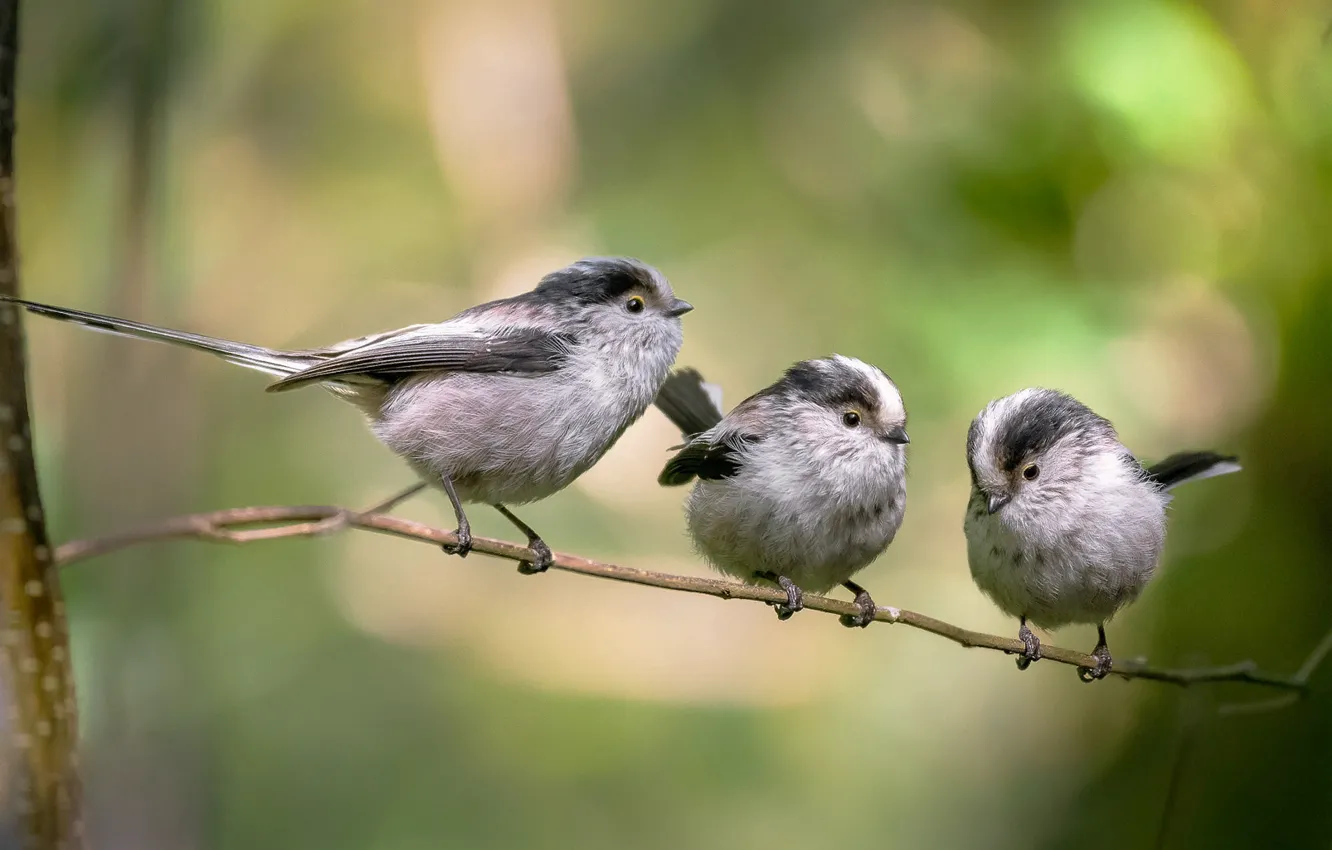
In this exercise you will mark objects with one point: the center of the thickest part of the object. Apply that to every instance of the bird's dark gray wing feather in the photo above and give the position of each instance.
(707, 460)
(521, 350)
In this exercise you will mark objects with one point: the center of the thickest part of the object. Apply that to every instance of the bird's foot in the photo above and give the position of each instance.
(1031, 646)
(795, 599)
(464, 544)
(794, 602)
(866, 605)
(1104, 663)
(541, 558)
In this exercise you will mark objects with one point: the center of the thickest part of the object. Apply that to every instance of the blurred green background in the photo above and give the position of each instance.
(1129, 201)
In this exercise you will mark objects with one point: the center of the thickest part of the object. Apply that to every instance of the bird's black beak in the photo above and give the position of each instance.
(996, 502)
(897, 435)
(679, 307)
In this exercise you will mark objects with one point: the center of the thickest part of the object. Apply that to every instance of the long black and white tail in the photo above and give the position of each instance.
(692, 404)
(1184, 467)
(271, 361)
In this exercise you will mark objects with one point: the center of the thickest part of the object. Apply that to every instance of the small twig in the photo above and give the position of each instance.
(340, 520)
(1301, 677)
(1315, 660)
(232, 526)
(1242, 671)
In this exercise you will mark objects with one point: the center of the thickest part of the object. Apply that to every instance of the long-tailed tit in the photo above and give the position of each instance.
(1064, 524)
(802, 484)
(505, 403)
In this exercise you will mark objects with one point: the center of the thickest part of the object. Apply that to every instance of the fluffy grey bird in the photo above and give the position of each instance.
(1064, 524)
(803, 484)
(505, 403)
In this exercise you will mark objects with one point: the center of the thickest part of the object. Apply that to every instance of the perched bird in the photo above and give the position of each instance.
(1064, 524)
(803, 484)
(505, 403)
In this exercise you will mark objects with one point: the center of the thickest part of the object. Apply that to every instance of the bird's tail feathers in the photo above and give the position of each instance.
(271, 361)
(692, 404)
(1184, 467)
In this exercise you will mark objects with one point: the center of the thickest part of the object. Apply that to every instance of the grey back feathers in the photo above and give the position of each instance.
(524, 351)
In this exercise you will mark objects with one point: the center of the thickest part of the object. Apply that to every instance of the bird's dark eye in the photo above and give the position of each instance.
(1031, 471)
(851, 419)
(635, 304)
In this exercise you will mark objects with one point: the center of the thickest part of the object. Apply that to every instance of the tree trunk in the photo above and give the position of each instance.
(39, 790)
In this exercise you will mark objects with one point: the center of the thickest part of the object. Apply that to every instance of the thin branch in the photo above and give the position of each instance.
(237, 525)
(1306, 671)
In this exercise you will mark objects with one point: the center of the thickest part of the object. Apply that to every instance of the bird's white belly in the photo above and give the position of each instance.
(1059, 581)
(502, 439)
(740, 534)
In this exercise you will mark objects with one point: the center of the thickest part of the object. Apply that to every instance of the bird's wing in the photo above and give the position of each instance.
(709, 457)
(719, 453)
(440, 348)
(347, 345)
